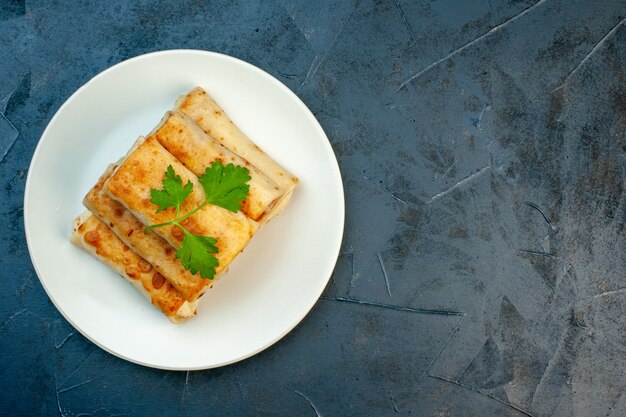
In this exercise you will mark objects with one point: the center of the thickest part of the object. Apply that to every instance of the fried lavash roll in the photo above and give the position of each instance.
(196, 151)
(143, 169)
(151, 247)
(203, 110)
(95, 238)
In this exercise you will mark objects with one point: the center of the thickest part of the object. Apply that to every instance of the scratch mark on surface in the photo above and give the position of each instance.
(13, 141)
(317, 413)
(480, 117)
(19, 95)
(445, 174)
(467, 387)
(314, 67)
(536, 207)
(60, 345)
(80, 365)
(471, 43)
(393, 402)
(473, 194)
(308, 74)
(393, 307)
(282, 74)
(84, 382)
(617, 291)
(382, 267)
(56, 389)
(185, 387)
(397, 106)
(5, 101)
(406, 22)
(493, 19)
(490, 153)
(536, 252)
(389, 193)
(14, 316)
(593, 51)
(445, 344)
(458, 184)
(15, 211)
(392, 195)
(462, 372)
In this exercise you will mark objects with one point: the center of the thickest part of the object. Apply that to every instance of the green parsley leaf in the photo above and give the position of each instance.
(196, 254)
(173, 193)
(225, 186)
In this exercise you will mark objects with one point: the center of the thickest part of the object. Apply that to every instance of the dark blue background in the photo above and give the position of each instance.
(482, 145)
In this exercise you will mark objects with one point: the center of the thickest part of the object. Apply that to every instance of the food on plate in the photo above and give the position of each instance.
(95, 238)
(173, 213)
(143, 170)
(196, 150)
(204, 110)
(151, 247)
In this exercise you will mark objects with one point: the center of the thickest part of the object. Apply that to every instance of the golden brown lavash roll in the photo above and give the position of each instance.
(95, 238)
(196, 150)
(205, 111)
(151, 247)
(143, 169)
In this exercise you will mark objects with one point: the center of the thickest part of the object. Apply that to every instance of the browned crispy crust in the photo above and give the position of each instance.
(150, 246)
(143, 170)
(196, 150)
(93, 236)
(200, 107)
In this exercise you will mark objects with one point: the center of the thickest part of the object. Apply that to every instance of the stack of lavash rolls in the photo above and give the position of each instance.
(190, 138)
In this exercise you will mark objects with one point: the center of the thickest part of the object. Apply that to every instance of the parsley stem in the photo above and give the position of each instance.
(178, 219)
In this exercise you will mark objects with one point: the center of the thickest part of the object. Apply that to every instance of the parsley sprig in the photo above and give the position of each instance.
(224, 186)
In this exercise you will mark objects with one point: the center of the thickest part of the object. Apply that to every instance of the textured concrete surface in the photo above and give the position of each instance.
(482, 144)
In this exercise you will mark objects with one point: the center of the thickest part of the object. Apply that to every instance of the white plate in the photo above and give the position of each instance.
(269, 288)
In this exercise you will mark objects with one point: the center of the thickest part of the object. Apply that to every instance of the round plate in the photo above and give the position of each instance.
(268, 289)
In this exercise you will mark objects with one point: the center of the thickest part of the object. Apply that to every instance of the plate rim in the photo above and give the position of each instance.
(326, 143)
